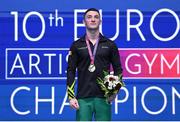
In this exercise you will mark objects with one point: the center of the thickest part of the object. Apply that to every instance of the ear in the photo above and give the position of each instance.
(100, 21)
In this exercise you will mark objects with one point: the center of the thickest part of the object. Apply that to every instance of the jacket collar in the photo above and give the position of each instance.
(101, 38)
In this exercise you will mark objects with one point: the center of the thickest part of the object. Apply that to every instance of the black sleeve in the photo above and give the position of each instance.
(71, 71)
(115, 60)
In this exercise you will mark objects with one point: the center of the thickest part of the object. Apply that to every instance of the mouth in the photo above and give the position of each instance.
(93, 23)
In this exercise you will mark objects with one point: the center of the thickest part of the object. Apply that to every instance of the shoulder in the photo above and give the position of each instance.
(108, 41)
(77, 43)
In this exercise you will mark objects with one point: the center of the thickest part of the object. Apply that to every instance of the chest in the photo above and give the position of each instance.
(103, 50)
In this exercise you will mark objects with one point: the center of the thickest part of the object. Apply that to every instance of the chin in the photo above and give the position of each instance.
(93, 28)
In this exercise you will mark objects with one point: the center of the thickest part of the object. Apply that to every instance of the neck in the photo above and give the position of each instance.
(92, 34)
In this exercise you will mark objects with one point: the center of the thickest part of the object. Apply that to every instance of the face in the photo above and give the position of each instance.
(92, 20)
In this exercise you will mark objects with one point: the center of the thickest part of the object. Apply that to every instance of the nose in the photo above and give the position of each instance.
(93, 19)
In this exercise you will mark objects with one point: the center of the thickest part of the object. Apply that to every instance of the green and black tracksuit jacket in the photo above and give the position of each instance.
(87, 87)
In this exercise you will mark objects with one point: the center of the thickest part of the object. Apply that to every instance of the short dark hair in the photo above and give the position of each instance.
(91, 9)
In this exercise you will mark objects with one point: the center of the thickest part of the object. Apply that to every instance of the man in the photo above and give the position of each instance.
(91, 55)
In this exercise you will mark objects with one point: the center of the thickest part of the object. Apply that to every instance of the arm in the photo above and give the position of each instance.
(71, 71)
(115, 60)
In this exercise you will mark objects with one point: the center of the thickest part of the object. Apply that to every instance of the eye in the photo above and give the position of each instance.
(97, 17)
(89, 16)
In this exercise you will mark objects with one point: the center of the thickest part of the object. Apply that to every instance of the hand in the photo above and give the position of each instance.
(74, 103)
(111, 98)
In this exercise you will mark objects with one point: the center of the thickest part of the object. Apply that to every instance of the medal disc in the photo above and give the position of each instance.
(92, 68)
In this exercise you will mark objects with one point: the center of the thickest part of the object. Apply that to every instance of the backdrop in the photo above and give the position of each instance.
(35, 37)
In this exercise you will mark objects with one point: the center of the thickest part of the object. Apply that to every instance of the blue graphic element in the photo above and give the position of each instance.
(141, 99)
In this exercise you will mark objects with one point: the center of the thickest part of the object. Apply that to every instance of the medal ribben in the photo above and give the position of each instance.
(92, 66)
